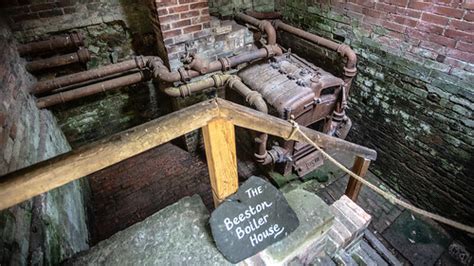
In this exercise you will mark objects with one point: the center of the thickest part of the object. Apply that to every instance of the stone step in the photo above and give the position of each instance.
(176, 235)
(364, 254)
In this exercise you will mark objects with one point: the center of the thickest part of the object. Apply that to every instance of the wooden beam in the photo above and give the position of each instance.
(34, 180)
(219, 141)
(251, 119)
(360, 167)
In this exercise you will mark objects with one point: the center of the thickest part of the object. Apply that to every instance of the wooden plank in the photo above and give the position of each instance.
(34, 180)
(361, 166)
(219, 141)
(249, 118)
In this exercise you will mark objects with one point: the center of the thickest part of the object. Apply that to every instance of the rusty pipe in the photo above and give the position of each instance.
(69, 42)
(82, 56)
(67, 96)
(262, 25)
(252, 97)
(89, 75)
(162, 73)
(344, 50)
(255, 99)
(264, 15)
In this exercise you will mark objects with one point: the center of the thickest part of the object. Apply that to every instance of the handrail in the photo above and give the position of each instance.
(26, 183)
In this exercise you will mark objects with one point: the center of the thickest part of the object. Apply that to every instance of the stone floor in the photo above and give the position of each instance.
(130, 191)
(411, 238)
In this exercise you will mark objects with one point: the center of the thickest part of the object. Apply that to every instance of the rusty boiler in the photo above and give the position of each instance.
(296, 89)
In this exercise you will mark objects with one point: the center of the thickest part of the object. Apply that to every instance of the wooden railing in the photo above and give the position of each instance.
(217, 117)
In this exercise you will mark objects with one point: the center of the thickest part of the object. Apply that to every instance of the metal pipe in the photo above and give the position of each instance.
(263, 25)
(69, 42)
(264, 15)
(82, 55)
(67, 96)
(344, 50)
(252, 97)
(89, 75)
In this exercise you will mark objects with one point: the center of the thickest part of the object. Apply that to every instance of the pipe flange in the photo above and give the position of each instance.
(218, 80)
(350, 72)
(252, 96)
(77, 39)
(140, 62)
(225, 63)
(184, 90)
(184, 75)
(83, 55)
(230, 82)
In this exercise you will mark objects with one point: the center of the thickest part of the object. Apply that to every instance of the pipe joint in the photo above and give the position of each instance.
(83, 55)
(350, 71)
(225, 63)
(185, 77)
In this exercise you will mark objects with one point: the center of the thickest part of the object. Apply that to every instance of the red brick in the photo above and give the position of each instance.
(409, 12)
(354, 7)
(434, 19)
(462, 25)
(420, 5)
(189, 14)
(405, 21)
(464, 46)
(169, 18)
(463, 56)
(199, 5)
(469, 4)
(440, 49)
(373, 13)
(366, 3)
(25, 17)
(187, 1)
(171, 34)
(385, 7)
(181, 23)
(448, 11)
(205, 12)
(402, 3)
(193, 28)
(459, 35)
(430, 28)
(164, 3)
(178, 9)
(394, 26)
(446, 41)
(162, 11)
(469, 16)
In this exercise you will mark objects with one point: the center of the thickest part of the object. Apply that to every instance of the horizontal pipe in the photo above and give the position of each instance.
(69, 42)
(81, 56)
(57, 83)
(342, 49)
(264, 15)
(67, 96)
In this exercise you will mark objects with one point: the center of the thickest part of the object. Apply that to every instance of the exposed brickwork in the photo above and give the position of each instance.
(32, 18)
(50, 227)
(132, 190)
(412, 99)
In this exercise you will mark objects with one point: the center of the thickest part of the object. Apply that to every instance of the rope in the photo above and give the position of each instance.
(389, 196)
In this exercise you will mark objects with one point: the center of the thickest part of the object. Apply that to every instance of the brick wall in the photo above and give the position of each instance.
(186, 26)
(30, 19)
(412, 99)
(228, 7)
(52, 226)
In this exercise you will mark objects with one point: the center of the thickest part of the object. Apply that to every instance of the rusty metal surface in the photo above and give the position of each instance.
(294, 88)
(81, 56)
(64, 43)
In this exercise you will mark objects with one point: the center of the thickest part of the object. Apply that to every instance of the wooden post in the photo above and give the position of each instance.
(219, 141)
(361, 165)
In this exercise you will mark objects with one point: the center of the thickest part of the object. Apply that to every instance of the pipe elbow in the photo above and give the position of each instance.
(268, 28)
(346, 51)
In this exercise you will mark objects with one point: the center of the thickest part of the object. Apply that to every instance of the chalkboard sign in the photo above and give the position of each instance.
(250, 220)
